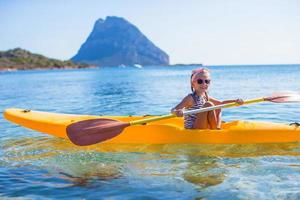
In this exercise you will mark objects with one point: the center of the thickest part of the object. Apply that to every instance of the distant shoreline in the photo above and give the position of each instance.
(186, 65)
(11, 69)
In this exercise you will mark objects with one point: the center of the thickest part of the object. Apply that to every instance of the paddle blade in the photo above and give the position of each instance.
(285, 97)
(93, 131)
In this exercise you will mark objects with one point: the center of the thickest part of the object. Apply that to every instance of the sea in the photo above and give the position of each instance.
(34, 165)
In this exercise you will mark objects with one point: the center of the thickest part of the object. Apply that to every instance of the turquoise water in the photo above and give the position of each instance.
(37, 166)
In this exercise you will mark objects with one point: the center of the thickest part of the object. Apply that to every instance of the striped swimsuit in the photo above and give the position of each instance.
(189, 120)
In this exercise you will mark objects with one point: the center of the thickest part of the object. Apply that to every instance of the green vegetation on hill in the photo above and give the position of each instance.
(20, 59)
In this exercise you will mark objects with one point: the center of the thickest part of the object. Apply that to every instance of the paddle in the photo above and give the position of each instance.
(92, 131)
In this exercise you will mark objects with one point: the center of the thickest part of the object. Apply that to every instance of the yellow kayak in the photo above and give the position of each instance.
(168, 131)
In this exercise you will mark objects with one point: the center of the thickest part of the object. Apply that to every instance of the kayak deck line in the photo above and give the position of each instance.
(167, 131)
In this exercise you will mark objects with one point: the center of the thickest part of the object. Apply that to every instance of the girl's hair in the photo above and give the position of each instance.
(191, 83)
(198, 71)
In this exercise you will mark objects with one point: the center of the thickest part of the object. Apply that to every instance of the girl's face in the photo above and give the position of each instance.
(201, 82)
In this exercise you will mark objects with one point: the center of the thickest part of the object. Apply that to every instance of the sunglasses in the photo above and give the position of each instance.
(201, 81)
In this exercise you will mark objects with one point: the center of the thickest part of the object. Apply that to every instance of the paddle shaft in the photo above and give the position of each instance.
(189, 112)
(228, 105)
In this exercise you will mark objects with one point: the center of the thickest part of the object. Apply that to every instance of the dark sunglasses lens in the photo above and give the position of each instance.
(199, 81)
(207, 81)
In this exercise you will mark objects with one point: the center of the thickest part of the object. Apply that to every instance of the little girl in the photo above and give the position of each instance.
(200, 81)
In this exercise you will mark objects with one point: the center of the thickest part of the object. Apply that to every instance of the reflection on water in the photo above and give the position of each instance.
(204, 171)
(41, 146)
(60, 164)
(204, 166)
(81, 169)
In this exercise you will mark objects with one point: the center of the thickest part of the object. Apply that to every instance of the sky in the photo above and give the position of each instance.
(211, 32)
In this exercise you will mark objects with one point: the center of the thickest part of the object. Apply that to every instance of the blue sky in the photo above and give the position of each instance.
(212, 32)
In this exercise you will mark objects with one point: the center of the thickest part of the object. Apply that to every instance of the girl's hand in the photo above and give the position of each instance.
(176, 112)
(239, 101)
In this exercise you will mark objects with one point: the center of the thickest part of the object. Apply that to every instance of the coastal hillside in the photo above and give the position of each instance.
(20, 59)
(114, 41)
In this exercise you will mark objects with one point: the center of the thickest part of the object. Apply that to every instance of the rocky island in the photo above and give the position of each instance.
(112, 42)
(116, 42)
(20, 59)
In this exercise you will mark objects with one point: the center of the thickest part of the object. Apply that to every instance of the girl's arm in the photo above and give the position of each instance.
(218, 102)
(186, 102)
(239, 101)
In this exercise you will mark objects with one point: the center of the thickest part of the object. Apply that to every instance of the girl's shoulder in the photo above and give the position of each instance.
(189, 96)
(191, 99)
